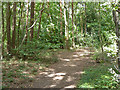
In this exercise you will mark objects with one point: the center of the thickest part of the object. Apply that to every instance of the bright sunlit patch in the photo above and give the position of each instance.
(26, 72)
(31, 76)
(52, 86)
(69, 79)
(81, 54)
(61, 74)
(58, 78)
(86, 51)
(75, 55)
(71, 86)
(66, 60)
(81, 72)
(26, 62)
(43, 73)
(86, 85)
(50, 69)
(72, 65)
(51, 75)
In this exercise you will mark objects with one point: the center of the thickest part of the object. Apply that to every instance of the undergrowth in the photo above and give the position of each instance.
(17, 72)
(98, 77)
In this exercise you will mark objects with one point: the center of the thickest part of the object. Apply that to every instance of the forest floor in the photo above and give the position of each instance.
(66, 72)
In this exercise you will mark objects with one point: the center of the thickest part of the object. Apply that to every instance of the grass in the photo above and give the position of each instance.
(17, 72)
(98, 77)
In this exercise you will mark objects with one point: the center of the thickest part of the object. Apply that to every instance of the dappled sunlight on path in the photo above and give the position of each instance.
(66, 72)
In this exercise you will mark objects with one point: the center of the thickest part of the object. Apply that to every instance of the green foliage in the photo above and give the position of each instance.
(98, 77)
(35, 50)
(103, 57)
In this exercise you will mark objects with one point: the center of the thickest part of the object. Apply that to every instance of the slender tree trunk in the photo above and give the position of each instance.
(26, 35)
(39, 27)
(32, 19)
(66, 27)
(19, 23)
(99, 32)
(8, 27)
(2, 30)
(73, 44)
(14, 26)
(81, 23)
(76, 23)
(61, 31)
(85, 20)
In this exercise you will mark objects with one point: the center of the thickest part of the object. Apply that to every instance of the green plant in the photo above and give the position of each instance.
(102, 57)
(98, 77)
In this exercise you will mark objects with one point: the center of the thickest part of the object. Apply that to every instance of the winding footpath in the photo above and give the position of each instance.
(65, 73)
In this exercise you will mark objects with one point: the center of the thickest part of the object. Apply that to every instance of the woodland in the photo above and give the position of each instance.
(69, 37)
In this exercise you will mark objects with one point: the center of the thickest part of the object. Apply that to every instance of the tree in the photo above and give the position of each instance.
(73, 41)
(67, 44)
(61, 32)
(14, 26)
(27, 13)
(8, 27)
(2, 30)
(39, 27)
(66, 27)
(19, 22)
(32, 19)
(85, 20)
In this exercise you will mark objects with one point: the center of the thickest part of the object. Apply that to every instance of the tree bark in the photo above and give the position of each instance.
(19, 23)
(66, 27)
(81, 23)
(61, 31)
(73, 44)
(2, 30)
(14, 26)
(8, 28)
(26, 35)
(32, 19)
(85, 20)
(39, 27)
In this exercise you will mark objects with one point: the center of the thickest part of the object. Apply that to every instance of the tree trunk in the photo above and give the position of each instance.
(61, 31)
(39, 27)
(76, 23)
(2, 30)
(85, 20)
(73, 44)
(66, 27)
(19, 23)
(26, 35)
(81, 23)
(32, 20)
(14, 26)
(8, 28)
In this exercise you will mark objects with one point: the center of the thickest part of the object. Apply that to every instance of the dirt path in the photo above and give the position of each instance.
(65, 73)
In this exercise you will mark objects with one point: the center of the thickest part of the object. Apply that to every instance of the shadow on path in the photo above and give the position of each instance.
(65, 73)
